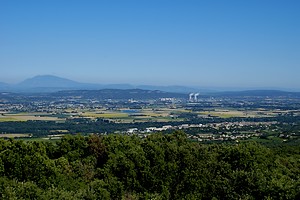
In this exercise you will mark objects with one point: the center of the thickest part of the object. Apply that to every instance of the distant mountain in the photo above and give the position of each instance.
(118, 86)
(259, 93)
(119, 94)
(48, 81)
(4, 86)
(174, 88)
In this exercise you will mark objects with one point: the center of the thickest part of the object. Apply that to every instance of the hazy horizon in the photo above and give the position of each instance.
(48, 79)
(232, 44)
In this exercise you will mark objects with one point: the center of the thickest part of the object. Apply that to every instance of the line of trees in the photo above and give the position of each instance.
(158, 167)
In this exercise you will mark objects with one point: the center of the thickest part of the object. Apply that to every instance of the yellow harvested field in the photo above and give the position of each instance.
(14, 135)
(234, 113)
(226, 114)
(30, 114)
(155, 114)
(8, 119)
(19, 117)
(26, 118)
(105, 115)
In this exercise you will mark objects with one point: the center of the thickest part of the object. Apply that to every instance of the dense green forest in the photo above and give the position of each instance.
(159, 167)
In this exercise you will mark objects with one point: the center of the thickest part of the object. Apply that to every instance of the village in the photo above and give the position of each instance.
(202, 118)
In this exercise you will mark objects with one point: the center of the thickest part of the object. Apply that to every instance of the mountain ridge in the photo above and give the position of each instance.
(51, 83)
(260, 93)
(48, 81)
(119, 94)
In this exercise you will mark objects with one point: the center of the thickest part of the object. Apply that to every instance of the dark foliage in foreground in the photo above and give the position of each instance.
(159, 167)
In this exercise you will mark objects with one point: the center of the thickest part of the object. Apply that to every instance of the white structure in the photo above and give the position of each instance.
(196, 97)
(191, 97)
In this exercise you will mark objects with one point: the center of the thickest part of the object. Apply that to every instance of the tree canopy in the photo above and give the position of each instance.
(158, 167)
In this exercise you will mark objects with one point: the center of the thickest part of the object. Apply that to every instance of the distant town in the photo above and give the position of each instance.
(266, 116)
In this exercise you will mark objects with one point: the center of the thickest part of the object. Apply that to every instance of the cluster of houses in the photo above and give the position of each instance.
(207, 136)
(222, 137)
(164, 128)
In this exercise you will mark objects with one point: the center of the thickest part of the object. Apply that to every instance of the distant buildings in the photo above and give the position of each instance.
(193, 97)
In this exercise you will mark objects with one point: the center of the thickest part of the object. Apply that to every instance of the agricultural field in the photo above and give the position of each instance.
(8, 119)
(28, 116)
(15, 135)
(226, 118)
(228, 113)
(124, 115)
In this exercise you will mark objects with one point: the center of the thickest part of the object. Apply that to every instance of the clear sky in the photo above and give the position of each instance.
(227, 43)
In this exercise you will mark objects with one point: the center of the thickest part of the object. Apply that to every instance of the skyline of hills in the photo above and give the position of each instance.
(50, 83)
(119, 94)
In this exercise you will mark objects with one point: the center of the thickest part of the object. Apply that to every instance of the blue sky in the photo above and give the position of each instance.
(188, 42)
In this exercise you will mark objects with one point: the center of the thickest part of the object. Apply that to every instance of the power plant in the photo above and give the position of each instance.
(193, 97)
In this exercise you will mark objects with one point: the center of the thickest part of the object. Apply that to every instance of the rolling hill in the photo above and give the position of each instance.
(119, 94)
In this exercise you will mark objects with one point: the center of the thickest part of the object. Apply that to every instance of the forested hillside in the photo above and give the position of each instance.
(159, 167)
